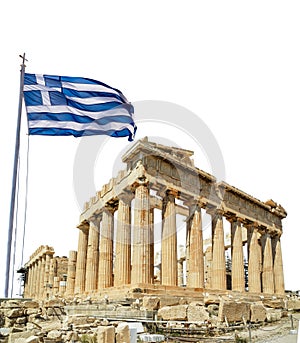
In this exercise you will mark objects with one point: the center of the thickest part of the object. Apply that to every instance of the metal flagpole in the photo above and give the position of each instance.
(14, 179)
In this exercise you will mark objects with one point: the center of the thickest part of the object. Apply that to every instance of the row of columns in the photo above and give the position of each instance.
(42, 279)
(94, 267)
(265, 269)
(134, 263)
(40, 273)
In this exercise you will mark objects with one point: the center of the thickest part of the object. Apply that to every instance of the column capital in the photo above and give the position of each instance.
(169, 196)
(276, 234)
(84, 225)
(274, 231)
(141, 181)
(110, 207)
(215, 211)
(95, 219)
(232, 218)
(192, 201)
(126, 197)
(250, 224)
(172, 192)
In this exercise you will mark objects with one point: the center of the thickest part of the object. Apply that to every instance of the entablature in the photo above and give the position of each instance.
(164, 169)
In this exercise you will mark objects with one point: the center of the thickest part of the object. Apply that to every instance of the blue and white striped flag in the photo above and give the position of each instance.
(64, 106)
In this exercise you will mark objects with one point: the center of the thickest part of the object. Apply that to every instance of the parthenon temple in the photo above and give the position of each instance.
(118, 233)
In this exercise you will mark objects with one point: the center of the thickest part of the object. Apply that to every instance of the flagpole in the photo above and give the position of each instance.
(14, 179)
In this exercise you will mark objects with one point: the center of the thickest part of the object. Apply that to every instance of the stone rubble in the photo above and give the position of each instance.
(25, 321)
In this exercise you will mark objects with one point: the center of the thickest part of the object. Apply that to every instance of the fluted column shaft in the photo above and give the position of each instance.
(218, 253)
(38, 277)
(267, 266)
(51, 274)
(71, 272)
(34, 279)
(141, 245)
(180, 272)
(46, 275)
(123, 244)
(81, 260)
(169, 268)
(55, 285)
(92, 256)
(42, 275)
(27, 290)
(237, 257)
(208, 267)
(195, 276)
(105, 271)
(187, 249)
(151, 220)
(254, 261)
(278, 266)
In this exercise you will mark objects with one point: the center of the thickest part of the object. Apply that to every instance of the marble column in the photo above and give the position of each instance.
(187, 249)
(151, 220)
(254, 260)
(38, 275)
(195, 275)
(31, 279)
(51, 275)
(34, 278)
(180, 272)
(267, 265)
(141, 245)
(71, 272)
(208, 267)
(42, 275)
(218, 280)
(81, 260)
(46, 275)
(27, 290)
(55, 285)
(123, 243)
(92, 256)
(278, 266)
(237, 257)
(105, 271)
(26, 284)
(169, 269)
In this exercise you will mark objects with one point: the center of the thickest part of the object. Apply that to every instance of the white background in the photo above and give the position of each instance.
(233, 63)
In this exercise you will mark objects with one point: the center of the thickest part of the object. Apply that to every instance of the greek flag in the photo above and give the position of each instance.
(76, 106)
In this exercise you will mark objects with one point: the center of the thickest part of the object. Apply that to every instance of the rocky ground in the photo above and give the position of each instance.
(216, 319)
(281, 332)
